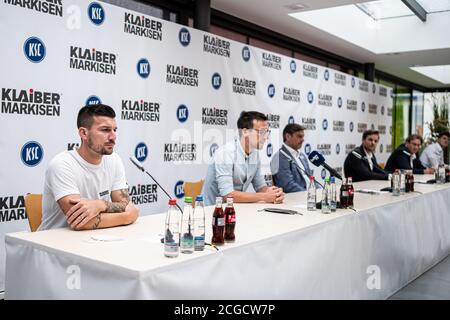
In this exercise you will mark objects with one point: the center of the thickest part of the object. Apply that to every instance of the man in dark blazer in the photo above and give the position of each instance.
(405, 157)
(361, 163)
(289, 166)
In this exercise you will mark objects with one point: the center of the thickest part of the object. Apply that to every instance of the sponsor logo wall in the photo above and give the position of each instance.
(177, 93)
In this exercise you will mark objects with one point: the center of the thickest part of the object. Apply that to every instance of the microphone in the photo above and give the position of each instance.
(300, 168)
(141, 167)
(318, 160)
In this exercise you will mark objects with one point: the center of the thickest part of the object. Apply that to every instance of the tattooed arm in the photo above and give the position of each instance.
(88, 214)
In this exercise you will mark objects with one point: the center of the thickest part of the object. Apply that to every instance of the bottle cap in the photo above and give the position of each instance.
(230, 199)
(311, 178)
(333, 180)
(187, 199)
(199, 198)
(173, 202)
(327, 179)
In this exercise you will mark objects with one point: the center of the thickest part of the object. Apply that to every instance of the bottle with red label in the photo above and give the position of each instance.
(351, 192)
(343, 196)
(230, 220)
(218, 224)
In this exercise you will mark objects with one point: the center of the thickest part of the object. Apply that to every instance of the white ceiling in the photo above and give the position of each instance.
(273, 15)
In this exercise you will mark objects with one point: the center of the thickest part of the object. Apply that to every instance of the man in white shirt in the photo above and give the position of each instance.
(289, 166)
(433, 155)
(86, 188)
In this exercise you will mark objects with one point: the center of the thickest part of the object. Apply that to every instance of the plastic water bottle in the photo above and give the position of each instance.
(402, 182)
(172, 230)
(312, 195)
(187, 228)
(199, 224)
(333, 201)
(326, 196)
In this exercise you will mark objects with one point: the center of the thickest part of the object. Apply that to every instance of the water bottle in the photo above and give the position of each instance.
(311, 201)
(396, 183)
(326, 196)
(402, 182)
(333, 201)
(441, 173)
(199, 224)
(172, 230)
(187, 228)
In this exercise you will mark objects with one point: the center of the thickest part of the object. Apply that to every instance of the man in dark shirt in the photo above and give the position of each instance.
(404, 157)
(361, 163)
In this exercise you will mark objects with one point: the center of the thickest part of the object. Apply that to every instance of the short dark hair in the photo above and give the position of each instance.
(292, 128)
(246, 118)
(446, 133)
(369, 133)
(87, 113)
(414, 137)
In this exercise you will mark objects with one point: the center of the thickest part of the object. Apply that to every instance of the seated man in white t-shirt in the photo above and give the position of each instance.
(86, 188)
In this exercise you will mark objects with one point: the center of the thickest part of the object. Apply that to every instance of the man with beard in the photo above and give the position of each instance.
(236, 165)
(361, 163)
(86, 188)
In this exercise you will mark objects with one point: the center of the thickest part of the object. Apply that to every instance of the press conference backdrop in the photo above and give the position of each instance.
(177, 93)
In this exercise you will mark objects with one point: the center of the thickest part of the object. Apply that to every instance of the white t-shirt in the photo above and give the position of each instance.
(68, 173)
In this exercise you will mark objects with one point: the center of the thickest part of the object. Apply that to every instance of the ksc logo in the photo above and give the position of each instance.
(381, 147)
(245, 54)
(363, 107)
(271, 90)
(143, 68)
(351, 126)
(326, 75)
(382, 110)
(212, 149)
(96, 13)
(353, 82)
(374, 88)
(216, 81)
(179, 190)
(307, 149)
(269, 150)
(184, 37)
(339, 102)
(325, 124)
(338, 148)
(31, 153)
(34, 49)
(310, 97)
(291, 120)
(93, 100)
(182, 113)
(323, 174)
(293, 66)
(141, 152)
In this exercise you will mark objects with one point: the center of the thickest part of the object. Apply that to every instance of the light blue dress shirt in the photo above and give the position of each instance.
(232, 170)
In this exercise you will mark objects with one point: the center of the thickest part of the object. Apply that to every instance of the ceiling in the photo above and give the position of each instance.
(273, 15)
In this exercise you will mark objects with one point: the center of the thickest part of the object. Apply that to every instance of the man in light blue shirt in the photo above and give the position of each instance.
(236, 165)
(433, 155)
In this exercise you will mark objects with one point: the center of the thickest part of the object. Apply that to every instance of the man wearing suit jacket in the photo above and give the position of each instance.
(404, 157)
(289, 166)
(361, 163)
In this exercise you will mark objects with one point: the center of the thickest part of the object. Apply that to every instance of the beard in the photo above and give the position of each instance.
(98, 148)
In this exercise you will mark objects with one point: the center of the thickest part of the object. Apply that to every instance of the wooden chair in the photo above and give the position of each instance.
(33, 207)
(193, 189)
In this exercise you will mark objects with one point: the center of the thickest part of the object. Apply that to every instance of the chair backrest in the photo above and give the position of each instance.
(33, 206)
(193, 189)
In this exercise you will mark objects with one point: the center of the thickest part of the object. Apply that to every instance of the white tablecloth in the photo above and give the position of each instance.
(343, 255)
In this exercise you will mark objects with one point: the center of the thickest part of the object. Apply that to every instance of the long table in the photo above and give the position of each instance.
(367, 254)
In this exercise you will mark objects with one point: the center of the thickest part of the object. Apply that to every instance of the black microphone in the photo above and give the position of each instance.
(300, 168)
(318, 160)
(141, 167)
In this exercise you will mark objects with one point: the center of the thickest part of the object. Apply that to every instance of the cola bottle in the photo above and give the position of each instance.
(230, 221)
(218, 224)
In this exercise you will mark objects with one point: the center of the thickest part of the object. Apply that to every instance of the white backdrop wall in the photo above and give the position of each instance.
(173, 110)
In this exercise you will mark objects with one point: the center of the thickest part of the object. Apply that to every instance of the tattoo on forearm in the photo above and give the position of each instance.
(119, 206)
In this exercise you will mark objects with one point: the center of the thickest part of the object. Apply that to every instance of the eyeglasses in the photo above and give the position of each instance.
(263, 132)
